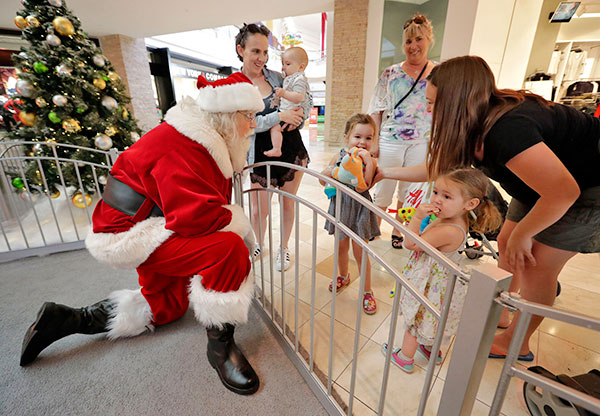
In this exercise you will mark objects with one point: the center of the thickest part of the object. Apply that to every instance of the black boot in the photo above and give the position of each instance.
(55, 321)
(235, 371)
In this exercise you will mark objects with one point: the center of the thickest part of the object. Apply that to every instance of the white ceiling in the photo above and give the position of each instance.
(145, 18)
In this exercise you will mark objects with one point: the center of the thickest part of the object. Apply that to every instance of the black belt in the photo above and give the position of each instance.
(122, 198)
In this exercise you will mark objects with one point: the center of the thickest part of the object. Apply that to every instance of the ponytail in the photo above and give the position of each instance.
(487, 217)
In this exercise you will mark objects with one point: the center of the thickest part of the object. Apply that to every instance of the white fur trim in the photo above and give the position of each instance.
(240, 224)
(189, 119)
(242, 96)
(219, 308)
(128, 249)
(131, 314)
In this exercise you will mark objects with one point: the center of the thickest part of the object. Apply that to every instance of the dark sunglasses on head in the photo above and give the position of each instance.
(417, 20)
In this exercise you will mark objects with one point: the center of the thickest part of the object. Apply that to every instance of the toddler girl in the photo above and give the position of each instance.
(358, 134)
(455, 195)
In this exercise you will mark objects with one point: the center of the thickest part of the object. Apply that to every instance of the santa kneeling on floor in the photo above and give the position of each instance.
(166, 211)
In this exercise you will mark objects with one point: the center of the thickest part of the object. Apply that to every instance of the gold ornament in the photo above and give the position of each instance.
(40, 102)
(80, 64)
(110, 131)
(27, 118)
(125, 114)
(55, 194)
(63, 26)
(80, 201)
(113, 76)
(32, 21)
(50, 140)
(71, 125)
(99, 83)
(20, 22)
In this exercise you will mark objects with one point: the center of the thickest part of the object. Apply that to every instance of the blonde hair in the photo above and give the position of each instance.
(298, 54)
(358, 118)
(474, 184)
(418, 25)
(467, 105)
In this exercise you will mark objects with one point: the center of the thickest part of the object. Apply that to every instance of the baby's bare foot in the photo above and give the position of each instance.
(273, 152)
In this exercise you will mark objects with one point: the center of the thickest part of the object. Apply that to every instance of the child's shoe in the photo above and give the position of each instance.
(369, 305)
(427, 354)
(407, 366)
(342, 282)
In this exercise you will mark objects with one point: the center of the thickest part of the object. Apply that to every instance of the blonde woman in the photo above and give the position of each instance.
(399, 109)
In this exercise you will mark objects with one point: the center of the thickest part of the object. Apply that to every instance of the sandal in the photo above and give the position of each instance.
(342, 282)
(397, 241)
(369, 304)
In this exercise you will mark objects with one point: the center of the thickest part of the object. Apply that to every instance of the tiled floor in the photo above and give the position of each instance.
(561, 348)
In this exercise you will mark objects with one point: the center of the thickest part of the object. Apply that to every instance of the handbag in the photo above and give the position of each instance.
(390, 111)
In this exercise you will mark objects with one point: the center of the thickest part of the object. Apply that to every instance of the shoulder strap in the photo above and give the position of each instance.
(413, 86)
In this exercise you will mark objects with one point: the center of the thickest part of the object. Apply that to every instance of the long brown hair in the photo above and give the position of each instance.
(474, 184)
(467, 105)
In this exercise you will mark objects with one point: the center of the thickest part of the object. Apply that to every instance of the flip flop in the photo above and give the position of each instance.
(526, 357)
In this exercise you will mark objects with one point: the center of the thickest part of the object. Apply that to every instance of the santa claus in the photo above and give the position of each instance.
(167, 212)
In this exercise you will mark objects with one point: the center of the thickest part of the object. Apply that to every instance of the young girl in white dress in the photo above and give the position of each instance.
(455, 195)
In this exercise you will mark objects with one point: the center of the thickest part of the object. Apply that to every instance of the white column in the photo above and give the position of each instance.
(373, 49)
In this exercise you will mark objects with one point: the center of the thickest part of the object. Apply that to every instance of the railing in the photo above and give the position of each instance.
(526, 310)
(320, 379)
(37, 222)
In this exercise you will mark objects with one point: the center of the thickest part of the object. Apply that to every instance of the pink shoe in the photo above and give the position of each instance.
(369, 305)
(342, 282)
(407, 366)
(427, 354)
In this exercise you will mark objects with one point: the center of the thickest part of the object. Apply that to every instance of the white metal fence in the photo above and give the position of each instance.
(34, 219)
(48, 225)
(478, 323)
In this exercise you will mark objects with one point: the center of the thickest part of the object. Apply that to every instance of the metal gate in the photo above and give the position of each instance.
(36, 220)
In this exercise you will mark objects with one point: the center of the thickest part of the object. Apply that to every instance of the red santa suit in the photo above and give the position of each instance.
(194, 254)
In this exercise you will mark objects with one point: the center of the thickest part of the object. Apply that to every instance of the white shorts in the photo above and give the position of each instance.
(396, 155)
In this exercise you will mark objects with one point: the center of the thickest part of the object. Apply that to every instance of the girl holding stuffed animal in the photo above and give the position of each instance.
(355, 167)
(455, 196)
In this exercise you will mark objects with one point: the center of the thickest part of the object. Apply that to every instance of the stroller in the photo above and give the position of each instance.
(542, 402)
(477, 243)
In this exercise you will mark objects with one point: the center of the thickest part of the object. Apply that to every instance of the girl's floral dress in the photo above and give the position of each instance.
(431, 278)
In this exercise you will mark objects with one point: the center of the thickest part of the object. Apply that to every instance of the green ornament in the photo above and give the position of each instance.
(18, 183)
(80, 110)
(39, 67)
(105, 78)
(53, 117)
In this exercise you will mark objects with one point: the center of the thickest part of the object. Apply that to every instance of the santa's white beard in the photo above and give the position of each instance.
(238, 150)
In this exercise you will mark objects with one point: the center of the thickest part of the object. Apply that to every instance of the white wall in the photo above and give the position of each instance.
(500, 31)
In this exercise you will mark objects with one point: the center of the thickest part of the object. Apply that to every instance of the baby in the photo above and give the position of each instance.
(295, 92)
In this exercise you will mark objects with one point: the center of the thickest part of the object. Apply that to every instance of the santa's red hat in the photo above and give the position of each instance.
(227, 95)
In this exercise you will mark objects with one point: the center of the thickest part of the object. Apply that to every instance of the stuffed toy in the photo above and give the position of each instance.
(351, 170)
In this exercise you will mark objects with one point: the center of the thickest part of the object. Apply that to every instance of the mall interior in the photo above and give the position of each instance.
(159, 49)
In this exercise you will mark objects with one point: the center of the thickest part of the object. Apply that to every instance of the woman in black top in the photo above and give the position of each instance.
(545, 155)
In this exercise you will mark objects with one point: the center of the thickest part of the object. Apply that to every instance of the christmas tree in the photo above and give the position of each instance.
(69, 93)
